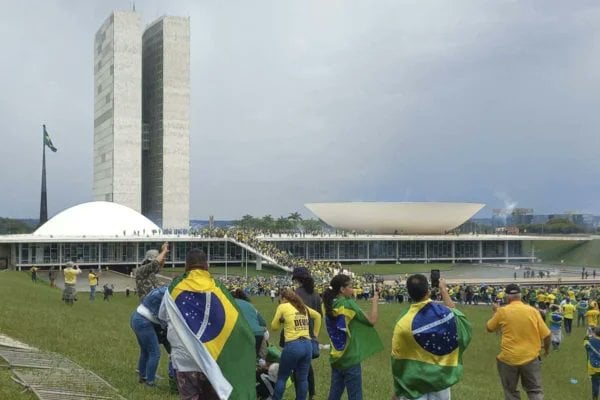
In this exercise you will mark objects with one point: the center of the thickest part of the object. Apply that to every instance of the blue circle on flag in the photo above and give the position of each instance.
(434, 329)
(336, 328)
(194, 307)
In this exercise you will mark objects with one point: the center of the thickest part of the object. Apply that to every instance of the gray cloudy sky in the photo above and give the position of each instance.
(304, 101)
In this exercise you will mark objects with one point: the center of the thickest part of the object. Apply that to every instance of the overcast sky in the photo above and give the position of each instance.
(305, 101)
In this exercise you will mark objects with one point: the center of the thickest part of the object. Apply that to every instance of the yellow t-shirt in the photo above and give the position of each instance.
(295, 325)
(71, 275)
(92, 279)
(568, 310)
(523, 330)
(541, 298)
(592, 317)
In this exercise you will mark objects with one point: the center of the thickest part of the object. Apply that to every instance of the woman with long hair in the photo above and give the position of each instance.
(306, 291)
(353, 337)
(294, 316)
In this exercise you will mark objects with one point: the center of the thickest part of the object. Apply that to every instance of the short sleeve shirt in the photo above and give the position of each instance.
(523, 330)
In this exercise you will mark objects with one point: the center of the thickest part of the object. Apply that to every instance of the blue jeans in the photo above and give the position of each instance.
(349, 379)
(595, 386)
(296, 356)
(149, 348)
(92, 292)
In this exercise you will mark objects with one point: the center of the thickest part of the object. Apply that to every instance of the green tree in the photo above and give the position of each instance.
(14, 226)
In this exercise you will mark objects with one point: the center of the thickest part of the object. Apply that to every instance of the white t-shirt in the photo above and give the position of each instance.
(272, 293)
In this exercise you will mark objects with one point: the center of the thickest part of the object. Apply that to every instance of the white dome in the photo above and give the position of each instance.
(96, 218)
(402, 218)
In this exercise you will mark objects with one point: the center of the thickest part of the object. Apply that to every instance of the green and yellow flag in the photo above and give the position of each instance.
(427, 346)
(214, 331)
(352, 336)
(47, 141)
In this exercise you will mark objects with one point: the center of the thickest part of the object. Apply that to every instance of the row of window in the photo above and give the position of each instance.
(220, 251)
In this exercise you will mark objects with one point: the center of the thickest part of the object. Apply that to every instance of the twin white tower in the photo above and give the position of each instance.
(142, 116)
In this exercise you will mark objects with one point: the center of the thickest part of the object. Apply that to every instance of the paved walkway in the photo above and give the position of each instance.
(120, 281)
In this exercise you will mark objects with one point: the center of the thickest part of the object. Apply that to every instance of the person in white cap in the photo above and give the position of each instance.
(145, 274)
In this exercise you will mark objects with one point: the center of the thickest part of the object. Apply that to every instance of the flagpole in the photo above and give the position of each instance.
(43, 200)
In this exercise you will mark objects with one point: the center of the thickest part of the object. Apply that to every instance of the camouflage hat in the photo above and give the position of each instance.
(150, 256)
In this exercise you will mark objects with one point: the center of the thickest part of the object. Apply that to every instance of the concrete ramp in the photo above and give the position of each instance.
(257, 253)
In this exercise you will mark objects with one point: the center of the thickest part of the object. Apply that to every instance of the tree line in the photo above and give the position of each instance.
(292, 223)
(14, 226)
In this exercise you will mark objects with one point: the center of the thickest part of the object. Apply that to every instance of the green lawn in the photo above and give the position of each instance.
(573, 253)
(97, 336)
(396, 269)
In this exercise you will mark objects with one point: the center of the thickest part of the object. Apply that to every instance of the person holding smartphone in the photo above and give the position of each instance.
(424, 335)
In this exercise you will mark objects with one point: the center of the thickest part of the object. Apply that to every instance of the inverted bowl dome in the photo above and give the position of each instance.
(96, 218)
(400, 218)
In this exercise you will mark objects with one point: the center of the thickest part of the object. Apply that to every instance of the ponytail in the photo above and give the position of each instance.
(336, 284)
(295, 300)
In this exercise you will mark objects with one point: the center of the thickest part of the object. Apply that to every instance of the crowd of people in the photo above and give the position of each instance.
(219, 345)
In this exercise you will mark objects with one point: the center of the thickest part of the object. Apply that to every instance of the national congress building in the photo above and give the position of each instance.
(141, 116)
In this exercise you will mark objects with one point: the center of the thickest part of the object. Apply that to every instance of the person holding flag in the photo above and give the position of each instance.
(352, 335)
(212, 345)
(427, 344)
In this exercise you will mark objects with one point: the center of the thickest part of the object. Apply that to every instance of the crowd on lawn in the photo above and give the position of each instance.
(220, 346)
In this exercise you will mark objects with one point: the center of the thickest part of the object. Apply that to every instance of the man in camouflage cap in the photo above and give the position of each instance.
(145, 274)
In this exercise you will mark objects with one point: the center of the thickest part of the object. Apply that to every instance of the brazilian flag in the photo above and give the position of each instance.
(353, 338)
(47, 141)
(427, 346)
(214, 331)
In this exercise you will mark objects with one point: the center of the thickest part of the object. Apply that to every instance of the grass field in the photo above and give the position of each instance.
(97, 336)
(573, 253)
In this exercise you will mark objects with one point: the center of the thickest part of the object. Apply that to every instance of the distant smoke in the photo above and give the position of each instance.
(509, 205)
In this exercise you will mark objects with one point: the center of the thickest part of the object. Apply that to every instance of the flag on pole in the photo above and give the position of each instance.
(47, 141)
(218, 338)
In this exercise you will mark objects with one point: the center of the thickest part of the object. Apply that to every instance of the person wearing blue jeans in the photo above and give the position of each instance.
(350, 378)
(143, 321)
(352, 335)
(296, 356)
(294, 316)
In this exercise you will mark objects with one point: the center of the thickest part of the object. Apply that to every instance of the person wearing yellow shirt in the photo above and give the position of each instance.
(93, 281)
(568, 310)
(70, 273)
(293, 315)
(592, 319)
(523, 332)
(34, 271)
(541, 297)
(500, 296)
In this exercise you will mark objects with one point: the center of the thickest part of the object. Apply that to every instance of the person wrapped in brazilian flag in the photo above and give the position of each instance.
(352, 334)
(428, 343)
(212, 345)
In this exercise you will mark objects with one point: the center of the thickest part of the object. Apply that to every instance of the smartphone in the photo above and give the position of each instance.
(435, 278)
